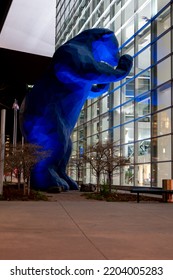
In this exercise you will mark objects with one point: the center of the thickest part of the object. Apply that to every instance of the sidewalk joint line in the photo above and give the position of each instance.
(83, 233)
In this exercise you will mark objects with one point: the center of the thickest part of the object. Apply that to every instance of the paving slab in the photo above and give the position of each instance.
(74, 228)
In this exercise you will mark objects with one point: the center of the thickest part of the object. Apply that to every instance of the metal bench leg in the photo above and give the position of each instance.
(137, 197)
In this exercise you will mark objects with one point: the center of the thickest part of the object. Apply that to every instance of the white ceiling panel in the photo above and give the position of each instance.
(30, 27)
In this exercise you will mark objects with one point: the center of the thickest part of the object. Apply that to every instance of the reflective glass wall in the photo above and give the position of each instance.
(136, 112)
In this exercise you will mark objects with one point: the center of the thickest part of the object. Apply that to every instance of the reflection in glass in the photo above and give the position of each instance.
(160, 171)
(142, 128)
(143, 175)
(161, 123)
(164, 96)
(162, 75)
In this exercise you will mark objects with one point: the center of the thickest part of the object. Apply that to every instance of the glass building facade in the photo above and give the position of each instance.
(136, 112)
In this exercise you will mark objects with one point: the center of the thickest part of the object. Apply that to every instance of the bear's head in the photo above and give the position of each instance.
(91, 59)
(102, 43)
(104, 46)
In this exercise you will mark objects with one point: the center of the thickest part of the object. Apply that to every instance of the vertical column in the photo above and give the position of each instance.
(110, 102)
(172, 90)
(153, 95)
(122, 131)
(16, 108)
(135, 87)
(2, 148)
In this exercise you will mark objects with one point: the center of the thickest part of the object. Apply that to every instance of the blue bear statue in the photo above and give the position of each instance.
(81, 68)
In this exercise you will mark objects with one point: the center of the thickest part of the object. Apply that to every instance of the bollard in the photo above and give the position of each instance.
(167, 184)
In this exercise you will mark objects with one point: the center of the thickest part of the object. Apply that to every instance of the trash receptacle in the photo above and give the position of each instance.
(167, 184)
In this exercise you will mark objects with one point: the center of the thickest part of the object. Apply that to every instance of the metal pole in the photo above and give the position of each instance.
(2, 149)
(15, 107)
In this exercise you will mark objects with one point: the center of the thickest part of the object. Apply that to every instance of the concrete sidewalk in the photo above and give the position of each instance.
(71, 227)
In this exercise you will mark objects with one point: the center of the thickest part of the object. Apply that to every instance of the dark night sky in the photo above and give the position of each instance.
(17, 69)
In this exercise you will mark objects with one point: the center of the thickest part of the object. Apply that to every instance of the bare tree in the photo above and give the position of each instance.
(94, 155)
(22, 159)
(76, 164)
(105, 158)
(13, 162)
(113, 160)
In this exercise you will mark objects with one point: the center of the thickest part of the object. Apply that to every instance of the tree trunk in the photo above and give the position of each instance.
(18, 179)
(11, 176)
(24, 188)
(98, 182)
(110, 182)
(29, 186)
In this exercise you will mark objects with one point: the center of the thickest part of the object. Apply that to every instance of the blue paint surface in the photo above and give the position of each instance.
(81, 68)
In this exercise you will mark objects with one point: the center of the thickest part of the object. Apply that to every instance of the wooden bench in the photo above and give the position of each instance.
(151, 190)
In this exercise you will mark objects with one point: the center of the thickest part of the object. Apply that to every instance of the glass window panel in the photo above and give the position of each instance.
(89, 126)
(160, 171)
(129, 10)
(95, 126)
(88, 141)
(118, 35)
(164, 96)
(164, 20)
(89, 102)
(74, 136)
(164, 148)
(114, 9)
(128, 31)
(142, 105)
(88, 174)
(127, 175)
(127, 92)
(129, 88)
(104, 136)
(116, 117)
(141, 2)
(74, 147)
(144, 60)
(128, 151)
(104, 123)
(143, 82)
(117, 25)
(161, 4)
(143, 176)
(116, 180)
(104, 104)
(116, 96)
(66, 13)
(94, 139)
(128, 111)
(143, 38)
(162, 74)
(142, 127)
(106, 19)
(95, 17)
(143, 150)
(89, 113)
(127, 132)
(129, 49)
(116, 134)
(164, 46)
(94, 110)
(143, 14)
(162, 123)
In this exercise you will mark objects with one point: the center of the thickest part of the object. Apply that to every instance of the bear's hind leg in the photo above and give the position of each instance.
(62, 168)
(43, 178)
